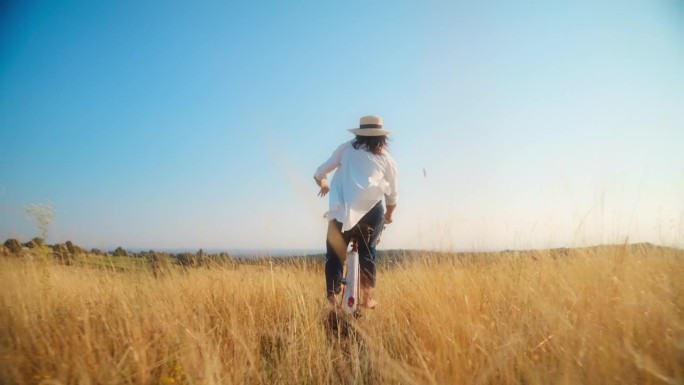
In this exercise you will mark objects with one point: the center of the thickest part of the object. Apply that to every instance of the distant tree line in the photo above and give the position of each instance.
(67, 252)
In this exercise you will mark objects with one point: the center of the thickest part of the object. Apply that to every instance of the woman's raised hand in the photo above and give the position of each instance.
(324, 188)
(389, 209)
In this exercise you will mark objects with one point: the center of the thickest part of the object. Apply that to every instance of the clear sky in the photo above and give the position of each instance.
(177, 124)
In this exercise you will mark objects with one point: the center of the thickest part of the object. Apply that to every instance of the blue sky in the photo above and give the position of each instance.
(188, 125)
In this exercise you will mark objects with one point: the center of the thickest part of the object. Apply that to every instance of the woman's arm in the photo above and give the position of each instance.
(329, 165)
(388, 213)
(321, 174)
(323, 184)
(393, 196)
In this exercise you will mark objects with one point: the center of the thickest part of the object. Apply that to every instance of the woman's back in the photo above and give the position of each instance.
(362, 179)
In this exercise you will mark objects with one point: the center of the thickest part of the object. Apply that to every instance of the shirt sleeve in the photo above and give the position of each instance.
(332, 163)
(391, 176)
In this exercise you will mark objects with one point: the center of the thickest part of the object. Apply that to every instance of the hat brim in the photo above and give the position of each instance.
(369, 131)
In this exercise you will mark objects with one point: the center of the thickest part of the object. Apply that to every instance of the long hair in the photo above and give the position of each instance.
(373, 144)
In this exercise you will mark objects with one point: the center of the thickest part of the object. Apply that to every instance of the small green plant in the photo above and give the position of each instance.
(176, 376)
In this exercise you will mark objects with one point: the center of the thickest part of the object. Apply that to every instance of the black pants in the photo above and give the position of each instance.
(333, 266)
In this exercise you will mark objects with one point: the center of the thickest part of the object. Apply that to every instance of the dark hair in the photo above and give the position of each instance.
(373, 144)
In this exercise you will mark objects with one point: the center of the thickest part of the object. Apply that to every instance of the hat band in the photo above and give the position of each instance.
(370, 126)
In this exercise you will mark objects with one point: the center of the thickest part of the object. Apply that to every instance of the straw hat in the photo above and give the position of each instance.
(370, 126)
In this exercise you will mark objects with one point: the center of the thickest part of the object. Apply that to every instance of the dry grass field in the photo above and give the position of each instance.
(589, 316)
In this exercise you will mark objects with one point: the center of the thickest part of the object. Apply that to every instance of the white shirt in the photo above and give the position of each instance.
(360, 182)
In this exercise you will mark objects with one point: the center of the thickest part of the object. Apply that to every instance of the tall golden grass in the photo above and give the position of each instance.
(593, 316)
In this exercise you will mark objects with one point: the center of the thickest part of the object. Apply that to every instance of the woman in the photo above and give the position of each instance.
(365, 174)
